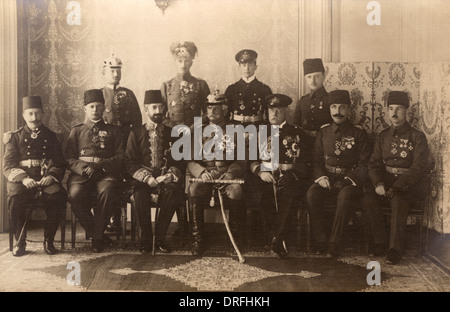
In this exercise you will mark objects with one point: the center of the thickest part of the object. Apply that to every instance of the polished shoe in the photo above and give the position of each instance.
(378, 250)
(97, 245)
(393, 257)
(107, 242)
(18, 251)
(334, 250)
(146, 247)
(162, 247)
(49, 248)
(320, 248)
(277, 248)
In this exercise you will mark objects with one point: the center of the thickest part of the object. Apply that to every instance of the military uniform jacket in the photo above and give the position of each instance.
(25, 152)
(94, 143)
(346, 147)
(313, 110)
(292, 149)
(247, 99)
(148, 152)
(184, 99)
(217, 167)
(122, 109)
(402, 147)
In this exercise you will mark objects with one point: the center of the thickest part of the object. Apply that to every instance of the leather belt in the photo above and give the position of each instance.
(395, 170)
(282, 167)
(93, 159)
(337, 170)
(215, 163)
(243, 118)
(30, 163)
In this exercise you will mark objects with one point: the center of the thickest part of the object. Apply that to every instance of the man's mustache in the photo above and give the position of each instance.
(338, 115)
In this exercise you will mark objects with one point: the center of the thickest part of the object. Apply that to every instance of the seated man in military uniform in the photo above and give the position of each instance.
(282, 178)
(148, 160)
(215, 169)
(34, 166)
(341, 154)
(94, 153)
(396, 169)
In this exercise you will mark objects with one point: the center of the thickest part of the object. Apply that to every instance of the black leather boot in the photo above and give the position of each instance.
(49, 248)
(197, 226)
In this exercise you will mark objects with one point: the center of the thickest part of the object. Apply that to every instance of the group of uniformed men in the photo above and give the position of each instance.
(322, 157)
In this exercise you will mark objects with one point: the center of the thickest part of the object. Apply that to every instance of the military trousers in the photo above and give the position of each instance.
(170, 196)
(102, 196)
(344, 200)
(54, 204)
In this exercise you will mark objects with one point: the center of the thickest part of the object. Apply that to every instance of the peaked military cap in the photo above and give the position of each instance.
(313, 66)
(93, 95)
(153, 96)
(246, 56)
(112, 62)
(398, 98)
(31, 102)
(278, 100)
(339, 97)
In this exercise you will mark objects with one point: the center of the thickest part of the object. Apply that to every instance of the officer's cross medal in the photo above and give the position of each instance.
(82, 152)
(337, 146)
(241, 105)
(394, 148)
(34, 134)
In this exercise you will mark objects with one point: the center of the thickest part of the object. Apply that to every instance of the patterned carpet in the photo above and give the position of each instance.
(129, 270)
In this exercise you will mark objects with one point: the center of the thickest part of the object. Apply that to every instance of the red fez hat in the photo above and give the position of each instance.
(313, 66)
(339, 97)
(398, 98)
(93, 95)
(31, 102)
(153, 96)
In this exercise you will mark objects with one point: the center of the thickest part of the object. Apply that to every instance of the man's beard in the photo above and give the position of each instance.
(157, 118)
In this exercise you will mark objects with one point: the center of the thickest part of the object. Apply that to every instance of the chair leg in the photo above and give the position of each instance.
(11, 233)
(308, 232)
(420, 225)
(63, 228)
(124, 224)
(74, 229)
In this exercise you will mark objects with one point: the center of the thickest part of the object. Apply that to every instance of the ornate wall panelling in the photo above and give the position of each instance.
(435, 122)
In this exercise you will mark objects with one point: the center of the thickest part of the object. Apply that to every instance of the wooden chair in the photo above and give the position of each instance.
(28, 211)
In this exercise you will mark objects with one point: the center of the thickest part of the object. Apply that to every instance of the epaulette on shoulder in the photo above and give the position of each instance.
(417, 129)
(359, 127)
(77, 125)
(7, 136)
(325, 125)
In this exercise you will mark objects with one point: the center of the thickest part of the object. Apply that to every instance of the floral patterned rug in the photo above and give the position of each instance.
(128, 270)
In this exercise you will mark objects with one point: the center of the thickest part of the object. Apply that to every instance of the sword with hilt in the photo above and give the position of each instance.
(219, 184)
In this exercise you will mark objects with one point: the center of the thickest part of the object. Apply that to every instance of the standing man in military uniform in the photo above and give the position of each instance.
(313, 109)
(341, 155)
(246, 97)
(210, 170)
(396, 169)
(94, 153)
(148, 160)
(121, 110)
(34, 167)
(184, 96)
(284, 176)
(246, 101)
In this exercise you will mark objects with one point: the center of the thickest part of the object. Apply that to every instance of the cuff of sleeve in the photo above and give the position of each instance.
(348, 178)
(141, 175)
(319, 178)
(17, 175)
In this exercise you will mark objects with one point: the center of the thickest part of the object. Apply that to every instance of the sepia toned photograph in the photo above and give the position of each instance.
(225, 151)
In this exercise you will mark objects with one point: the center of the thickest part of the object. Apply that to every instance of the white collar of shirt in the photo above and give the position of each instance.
(110, 86)
(249, 79)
